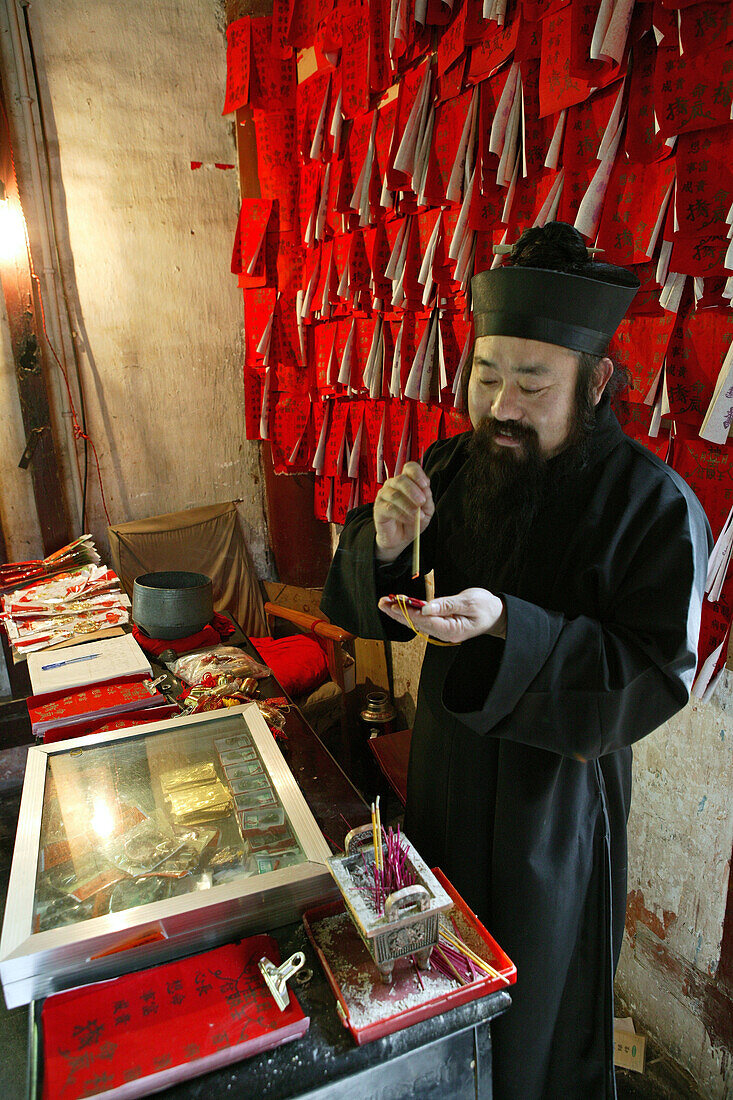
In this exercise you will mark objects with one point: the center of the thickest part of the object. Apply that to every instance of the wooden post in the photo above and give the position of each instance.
(26, 338)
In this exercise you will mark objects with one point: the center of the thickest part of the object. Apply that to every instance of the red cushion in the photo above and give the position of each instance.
(298, 662)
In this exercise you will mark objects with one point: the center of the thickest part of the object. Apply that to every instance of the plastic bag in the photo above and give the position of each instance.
(218, 660)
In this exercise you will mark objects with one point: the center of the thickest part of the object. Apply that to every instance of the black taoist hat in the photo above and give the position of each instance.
(579, 306)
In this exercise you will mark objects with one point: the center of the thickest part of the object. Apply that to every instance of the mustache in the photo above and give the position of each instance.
(488, 429)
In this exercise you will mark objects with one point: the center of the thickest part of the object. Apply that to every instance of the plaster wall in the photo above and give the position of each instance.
(680, 843)
(132, 94)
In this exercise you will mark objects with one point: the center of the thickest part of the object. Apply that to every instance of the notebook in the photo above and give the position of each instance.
(76, 666)
(57, 710)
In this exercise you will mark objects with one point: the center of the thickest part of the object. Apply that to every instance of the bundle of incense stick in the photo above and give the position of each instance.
(455, 959)
(391, 869)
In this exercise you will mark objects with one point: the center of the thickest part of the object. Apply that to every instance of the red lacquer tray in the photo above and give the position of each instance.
(371, 1009)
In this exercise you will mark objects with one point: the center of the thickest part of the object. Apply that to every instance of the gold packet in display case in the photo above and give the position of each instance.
(204, 802)
(192, 774)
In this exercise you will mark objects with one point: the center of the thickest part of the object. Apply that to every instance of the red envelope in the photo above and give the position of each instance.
(306, 16)
(258, 306)
(282, 14)
(272, 77)
(451, 43)
(704, 24)
(492, 51)
(642, 143)
(585, 126)
(631, 207)
(529, 196)
(253, 221)
(704, 180)
(380, 74)
(322, 491)
(708, 469)
(646, 299)
(449, 121)
(454, 330)
(329, 341)
(252, 402)
(703, 255)
(635, 418)
(309, 101)
(336, 433)
(692, 93)
(276, 155)
(697, 348)
(427, 424)
(398, 412)
(409, 87)
(538, 131)
(559, 85)
(355, 56)
(640, 344)
(238, 64)
(575, 185)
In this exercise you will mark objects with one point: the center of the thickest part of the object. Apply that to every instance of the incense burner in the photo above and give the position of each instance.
(409, 924)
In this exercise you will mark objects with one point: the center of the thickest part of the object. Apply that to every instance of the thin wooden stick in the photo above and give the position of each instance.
(416, 547)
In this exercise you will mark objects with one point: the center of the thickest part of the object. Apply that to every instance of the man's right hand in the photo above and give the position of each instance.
(395, 510)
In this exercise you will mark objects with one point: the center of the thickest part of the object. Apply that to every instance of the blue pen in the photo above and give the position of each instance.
(71, 661)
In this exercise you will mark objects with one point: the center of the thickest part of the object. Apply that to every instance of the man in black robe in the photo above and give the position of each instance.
(569, 566)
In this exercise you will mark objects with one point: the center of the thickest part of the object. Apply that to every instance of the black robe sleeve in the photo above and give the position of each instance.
(583, 687)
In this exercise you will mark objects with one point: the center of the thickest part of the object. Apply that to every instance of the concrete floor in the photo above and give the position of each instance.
(660, 1081)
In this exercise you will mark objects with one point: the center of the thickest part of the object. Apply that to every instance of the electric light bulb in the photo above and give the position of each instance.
(12, 232)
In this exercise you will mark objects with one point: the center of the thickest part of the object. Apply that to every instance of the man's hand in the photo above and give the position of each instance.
(395, 509)
(457, 618)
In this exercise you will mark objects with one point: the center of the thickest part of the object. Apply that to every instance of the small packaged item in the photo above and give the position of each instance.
(249, 783)
(216, 661)
(139, 850)
(262, 818)
(139, 891)
(235, 758)
(241, 741)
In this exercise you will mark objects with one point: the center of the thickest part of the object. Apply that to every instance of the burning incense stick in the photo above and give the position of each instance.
(416, 547)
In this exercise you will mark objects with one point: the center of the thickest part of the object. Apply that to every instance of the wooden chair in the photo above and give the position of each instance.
(209, 540)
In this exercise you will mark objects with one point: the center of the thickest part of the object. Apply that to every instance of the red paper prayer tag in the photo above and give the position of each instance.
(238, 64)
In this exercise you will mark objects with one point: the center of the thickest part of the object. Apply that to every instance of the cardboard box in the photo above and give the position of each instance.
(628, 1048)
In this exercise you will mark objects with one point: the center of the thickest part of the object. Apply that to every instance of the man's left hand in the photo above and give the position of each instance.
(456, 618)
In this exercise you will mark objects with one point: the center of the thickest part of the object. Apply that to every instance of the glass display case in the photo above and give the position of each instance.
(134, 847)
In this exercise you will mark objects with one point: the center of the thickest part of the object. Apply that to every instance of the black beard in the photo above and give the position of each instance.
(504, 489)
(506, 485)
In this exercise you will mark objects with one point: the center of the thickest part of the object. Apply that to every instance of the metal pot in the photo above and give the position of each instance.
(378, 714)
(172, 604)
